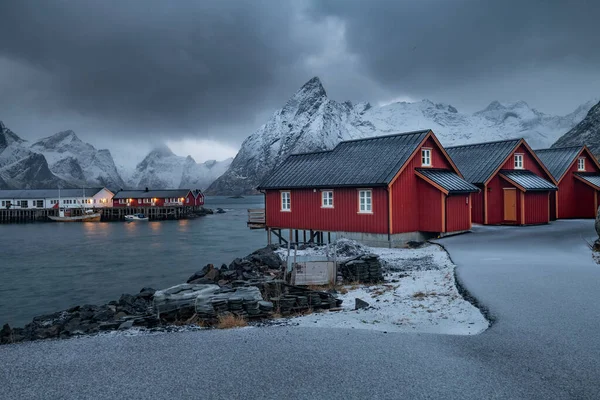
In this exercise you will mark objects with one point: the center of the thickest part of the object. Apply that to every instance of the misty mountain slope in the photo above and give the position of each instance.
(78, 162)
(161, 168)
(586, 132)
(309, 121)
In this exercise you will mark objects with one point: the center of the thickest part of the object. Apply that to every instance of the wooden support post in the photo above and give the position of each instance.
(329, 237)
(269, 236)
(304, 233)
(296, 234)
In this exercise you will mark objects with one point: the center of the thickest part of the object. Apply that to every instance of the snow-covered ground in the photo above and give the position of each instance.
(419, 295)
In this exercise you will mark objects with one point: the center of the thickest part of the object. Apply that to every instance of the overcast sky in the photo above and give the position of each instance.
(203, 75)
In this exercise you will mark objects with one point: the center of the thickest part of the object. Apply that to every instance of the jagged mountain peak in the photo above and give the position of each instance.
(59, 139)
(160, 151)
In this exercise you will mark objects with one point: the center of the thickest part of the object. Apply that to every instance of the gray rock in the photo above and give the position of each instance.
(199, 274)
(126, 325)
(360, 304)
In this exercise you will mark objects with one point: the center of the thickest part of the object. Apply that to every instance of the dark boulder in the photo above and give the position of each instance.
(200, 274)
(6, 334)
(360, 304)
(146, 293)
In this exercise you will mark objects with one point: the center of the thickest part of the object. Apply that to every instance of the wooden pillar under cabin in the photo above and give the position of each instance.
(269, 236)
(290, 237)
(279, 236)
(304, 234)
(312, 236)
(296, 234)
(329, 237)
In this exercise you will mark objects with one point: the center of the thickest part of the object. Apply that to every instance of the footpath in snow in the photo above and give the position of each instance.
(419, 295)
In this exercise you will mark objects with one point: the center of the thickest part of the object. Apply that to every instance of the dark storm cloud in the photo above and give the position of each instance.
(182, 65)
(430, 46)
(194, 68)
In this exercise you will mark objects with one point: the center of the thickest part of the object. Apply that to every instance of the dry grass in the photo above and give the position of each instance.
(231, 321)
(276, 315)
(419, 295)
(343, 290)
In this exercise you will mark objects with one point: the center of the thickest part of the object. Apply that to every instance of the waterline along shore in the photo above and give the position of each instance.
(9, 216)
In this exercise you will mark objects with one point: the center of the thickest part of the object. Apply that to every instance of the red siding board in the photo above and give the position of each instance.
(477, 206)
(406, 194)
(575, 198)
(457, 213)
(307, 213)
(536, 208)
(430, 208)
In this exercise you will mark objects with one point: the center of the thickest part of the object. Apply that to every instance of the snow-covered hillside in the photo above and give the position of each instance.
(22, 168)
(310, 121)
(162, 168)
(78, 162)
(587, 132)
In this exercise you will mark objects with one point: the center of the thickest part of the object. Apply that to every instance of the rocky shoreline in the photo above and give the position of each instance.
(252, 288)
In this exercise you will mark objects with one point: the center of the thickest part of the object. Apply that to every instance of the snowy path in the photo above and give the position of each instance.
(539, 282)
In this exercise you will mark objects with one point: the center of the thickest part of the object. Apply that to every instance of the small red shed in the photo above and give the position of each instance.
(577, 173)
(154, 198)
(382, 190)
(198, 197)
(515, 185)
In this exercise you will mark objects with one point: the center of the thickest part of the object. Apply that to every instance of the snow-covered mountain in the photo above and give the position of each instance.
(78, 162)
(21, 167)
(586, 132)
(162, 168)
(310, 121)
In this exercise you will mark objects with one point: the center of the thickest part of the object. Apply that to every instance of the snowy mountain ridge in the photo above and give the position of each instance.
(162, 168)
(310, 121)
(65, 160)
(586, 132)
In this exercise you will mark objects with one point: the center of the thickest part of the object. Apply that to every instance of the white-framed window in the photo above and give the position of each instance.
(39, 203)
(365, 201)
(286, 201)
(426, 157)
(122, 201)
(24, 204)
(3, 203)
(327, 199)
(581, 164)
(519, 161)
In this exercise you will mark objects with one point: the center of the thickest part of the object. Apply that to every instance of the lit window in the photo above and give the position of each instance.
(581, 164)
(286, 202)
(365, 201)
(426, 157)
(327, 199)
(518, 161)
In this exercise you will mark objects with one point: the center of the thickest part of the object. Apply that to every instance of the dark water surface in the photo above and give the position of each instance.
(47, 267)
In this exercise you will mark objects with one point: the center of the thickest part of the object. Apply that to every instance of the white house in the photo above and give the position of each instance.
(50, 198)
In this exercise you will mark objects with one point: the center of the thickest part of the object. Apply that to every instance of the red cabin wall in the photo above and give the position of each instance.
(406, 194)
(477, 207)
(200, 199)
(190, 200)
(307, 213)
(537, 208)
(575, 198)
(431, 208)
(458, 212)
(529, 163)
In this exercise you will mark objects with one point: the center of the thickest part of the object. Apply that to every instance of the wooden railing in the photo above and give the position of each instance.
(256, 218)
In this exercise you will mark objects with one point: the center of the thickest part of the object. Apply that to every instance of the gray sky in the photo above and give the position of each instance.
(203, 75)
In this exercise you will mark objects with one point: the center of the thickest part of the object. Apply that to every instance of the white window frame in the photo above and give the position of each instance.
(286, 201)
(519, 161)
(327, 199)
(365, 201)
(426, 157)
(581, 164)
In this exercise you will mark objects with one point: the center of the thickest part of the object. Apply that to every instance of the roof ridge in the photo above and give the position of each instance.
(560, 148)
(481, 143)
(310, 152)
(385, 136)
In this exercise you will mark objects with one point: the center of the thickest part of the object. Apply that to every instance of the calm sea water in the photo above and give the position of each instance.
(47, 267)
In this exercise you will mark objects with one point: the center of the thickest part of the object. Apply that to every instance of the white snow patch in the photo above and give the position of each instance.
(419, 295)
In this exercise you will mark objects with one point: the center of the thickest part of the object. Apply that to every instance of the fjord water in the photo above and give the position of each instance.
(47, 267)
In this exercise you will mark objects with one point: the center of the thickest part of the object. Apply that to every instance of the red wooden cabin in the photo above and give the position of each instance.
(577, 173)
(383, 190)
(154, 198)
(516, 187)
(198, 197)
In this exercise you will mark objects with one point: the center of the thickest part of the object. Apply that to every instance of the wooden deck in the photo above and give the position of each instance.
(256, 218)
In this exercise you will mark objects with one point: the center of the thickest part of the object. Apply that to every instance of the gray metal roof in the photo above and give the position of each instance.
(371, 161)
(477, 162)
(159, 194)
(448, 180)
(47, 193)
(528, 180)
(592, 178)
(558, 160)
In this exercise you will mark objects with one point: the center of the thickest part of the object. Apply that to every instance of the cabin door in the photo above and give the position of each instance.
(510, 205)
